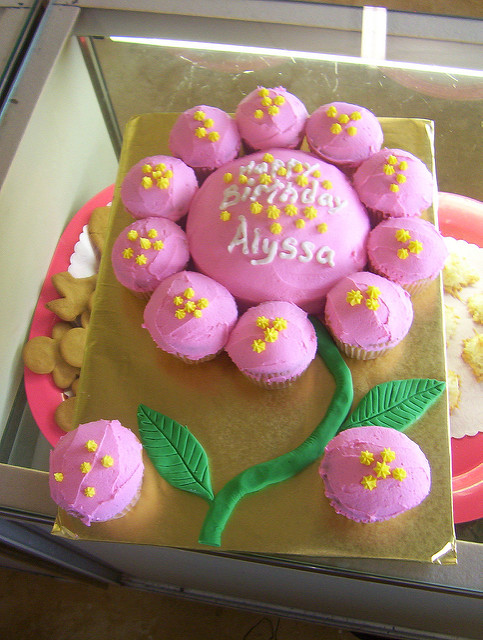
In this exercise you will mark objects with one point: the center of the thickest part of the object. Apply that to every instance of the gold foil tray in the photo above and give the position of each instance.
(240, 425)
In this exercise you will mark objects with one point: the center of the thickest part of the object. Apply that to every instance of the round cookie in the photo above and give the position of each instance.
(158, 186)
(269, 118)
(375, 473)
(278, 225)
(273, 344)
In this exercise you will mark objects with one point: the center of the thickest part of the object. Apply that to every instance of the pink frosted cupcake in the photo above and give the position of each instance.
(96, 471)
(268, 118)
(205, 138)
(190, 316)
(372, 474)
(148, 251)
(409, 251)
(159, 186)
(367, 315)
(343, 134)
(273, 344)
(394, 184)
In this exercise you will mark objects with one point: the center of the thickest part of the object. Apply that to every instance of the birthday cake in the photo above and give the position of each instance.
(290, 238)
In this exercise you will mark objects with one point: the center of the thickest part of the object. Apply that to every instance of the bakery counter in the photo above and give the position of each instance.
(84, 66)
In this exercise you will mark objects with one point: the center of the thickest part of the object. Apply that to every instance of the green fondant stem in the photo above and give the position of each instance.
(283, 467)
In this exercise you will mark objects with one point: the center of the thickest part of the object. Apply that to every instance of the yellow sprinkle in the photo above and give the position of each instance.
(372, 304)
(158, 245)
(147, 182)
(282, 171)
(141, 259)
(279, 100)
(163, 183)
(200, 132)
(335, 128)
(107, 461)
(302, 181)
(388, 455)
(228, 177)
(327, 184)
(310, 213)
(298, 168)
(258, 346)
(373, 292)
(331, 112)
(356, 115)
(316, 173)
(322, 228)
(242, 179)
(392, 160)
(403, 165)
(168, 173)
(147, 168)
(190, 306)
(157, 174)
(400, 178)
(208, 123)
(273, 212)
(398, 473)
(262, 322)
(197, 313)
(189, 293)
(256, 208)
(199, 115)
(265, 179)
(276, 228)
(145, 243)
(352, 131)
(160, 167)
(258, 114)
(394, 188)
(85, 467)
(268, 157)
(213, 136)
(132, 234)
(280, 324)
(266, 101)
(203, 303)
(382, 469)
(271, 334)
(91, 445)
(225, 215)
(369, 482)
(402, 254)
(291, 210)
(178, 300)
(366, 458)
(273, 110)
(388, 169)
(179, 314)
(128, 253)
(262, 92)
(300, 223)
(415, 246)
(344, 118)
(354, 297)
(403, 235)
(152, 233)
(90, 492)
(58, 477)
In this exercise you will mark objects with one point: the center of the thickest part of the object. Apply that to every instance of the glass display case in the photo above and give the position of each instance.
(88, 68)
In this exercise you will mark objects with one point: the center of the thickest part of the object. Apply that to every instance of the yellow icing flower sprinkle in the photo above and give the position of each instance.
(158, 245)
(258, 114)
(322, 228)
(402, 254)
(415, 246)
(199, 115)
(356, 115)
(145, 243)
(168, 173)
(372, 304)
(394, 188)
(189, 293)
(279, 324)
(373, 292)
(291, 210)
(132, 234)
(85, 467)
(91, 445)
(262, 322)
(256, 208)
(302, 181)
(354, 297)
(273, 212)
(300, 223)
(298, 168)
(344, 118)
(335, 128)
(258, 346)
(160, 167)
(398, 473)
(208, 123)
(147, 168)
(89, 492)
(271, 334)
(388, 455)
(128, 253)
(213, 136)
(279, 100)
(403, 165)
(266, 101)
(366, 458)
(107, 461)
(152, 233)
(225, 215)
(190, 306)
(200, 132)
(310, 213)
(276, 228)
(282, 171)
(369, 482)
(203, 303)
(382, 469)
(228, 177)
(352, 131)
(147, 182)
(331, 112)
(180, 314)
(163, 183)
(273, 110)
(242, 179)
(265, 178)
(392, 160)
(141, 259)
(58, 477)
(316, 173)
(197, 313)
(178, 300)
(263, 91)
(268, 157)
(388, 169)
(403, 235)
(400, 178)
(327, 184)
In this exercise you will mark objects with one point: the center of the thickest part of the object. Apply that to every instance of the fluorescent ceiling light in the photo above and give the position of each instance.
(306, 55)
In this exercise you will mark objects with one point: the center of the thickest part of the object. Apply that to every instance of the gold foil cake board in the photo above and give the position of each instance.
(240, 424)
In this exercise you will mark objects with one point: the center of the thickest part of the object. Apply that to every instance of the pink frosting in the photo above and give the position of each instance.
(360, 326)
(421, 256)
(158, 186)
(114, 481)
(343, 471)
(280, 360)
(280, 122)
(310, 231)
(205, 137)
(405, 192)
(159, 250)
(192, 333)
(343, 143)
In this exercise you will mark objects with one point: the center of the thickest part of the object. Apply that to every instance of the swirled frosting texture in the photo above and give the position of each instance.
(394, 183)
(374, 473)
(96, 471)
(158, 186)
(274, 342)
(368, 311)
(147, 251)
(190, 315)
(205, 137)
(271, 118)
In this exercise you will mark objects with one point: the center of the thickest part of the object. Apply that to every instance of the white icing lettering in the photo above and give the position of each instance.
(231, 196)
(270, 247)
(290, 192)
(325, 255)
(289, 249)
(256, 240)
(308, 249)
(308, 195)
(241, 236)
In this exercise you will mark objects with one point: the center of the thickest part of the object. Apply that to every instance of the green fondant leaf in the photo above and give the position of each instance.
(175, 452)
(395, 404)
